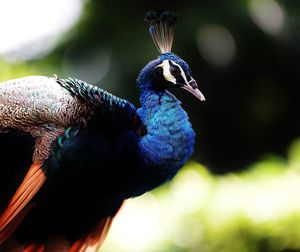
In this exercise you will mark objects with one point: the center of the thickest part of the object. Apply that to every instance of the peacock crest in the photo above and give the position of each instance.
(162, 26)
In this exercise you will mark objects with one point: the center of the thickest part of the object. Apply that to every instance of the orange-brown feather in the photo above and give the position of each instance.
(93, 241)
(17, 210)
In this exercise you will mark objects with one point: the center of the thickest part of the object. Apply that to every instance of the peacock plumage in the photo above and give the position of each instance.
(72, 153)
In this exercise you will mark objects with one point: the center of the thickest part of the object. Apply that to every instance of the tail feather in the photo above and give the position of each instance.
(34, 248)
(8, 230)
(18, 206)
(95, 239)
(89, 243)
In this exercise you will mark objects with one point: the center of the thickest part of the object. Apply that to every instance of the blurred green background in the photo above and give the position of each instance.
(240, 190)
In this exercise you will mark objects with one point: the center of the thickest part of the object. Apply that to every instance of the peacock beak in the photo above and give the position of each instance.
(192, 87)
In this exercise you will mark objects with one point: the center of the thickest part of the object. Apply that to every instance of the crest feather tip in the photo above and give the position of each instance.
(162, 25)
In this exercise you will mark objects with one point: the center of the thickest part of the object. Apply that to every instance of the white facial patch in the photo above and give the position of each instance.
(166, 71)
(182, 72)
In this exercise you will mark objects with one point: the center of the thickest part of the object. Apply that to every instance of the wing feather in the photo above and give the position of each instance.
(107, 107)
(13, 214)
(93, 241)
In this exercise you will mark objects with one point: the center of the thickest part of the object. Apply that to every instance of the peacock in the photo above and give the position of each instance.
(71, 153)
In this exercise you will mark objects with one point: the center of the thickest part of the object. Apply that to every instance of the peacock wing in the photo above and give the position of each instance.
(74, 198)
(106, 107)
(93, 241)
(18, 184)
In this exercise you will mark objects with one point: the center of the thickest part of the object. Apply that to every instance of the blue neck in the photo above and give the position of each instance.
(170, 138)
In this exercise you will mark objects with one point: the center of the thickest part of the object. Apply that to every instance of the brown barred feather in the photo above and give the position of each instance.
(42, 107)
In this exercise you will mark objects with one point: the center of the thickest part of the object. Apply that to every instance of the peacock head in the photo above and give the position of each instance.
(169, 70)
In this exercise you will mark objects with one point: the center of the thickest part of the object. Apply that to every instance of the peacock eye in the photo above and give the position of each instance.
(175, 71)
(159, 70)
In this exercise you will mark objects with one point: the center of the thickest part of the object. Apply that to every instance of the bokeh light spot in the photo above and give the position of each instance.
(268, 15)
(90, 65)
(216, 44)
(30, 29)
